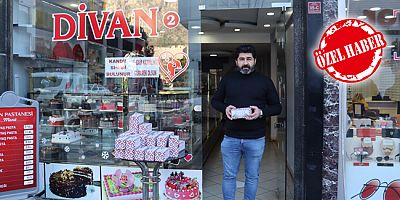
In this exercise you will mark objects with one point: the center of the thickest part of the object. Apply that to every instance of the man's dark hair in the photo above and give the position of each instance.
(245, 48)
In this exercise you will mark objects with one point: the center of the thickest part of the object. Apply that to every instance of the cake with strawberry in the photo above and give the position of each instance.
(56, 120)
(179, 186)
(124, 186)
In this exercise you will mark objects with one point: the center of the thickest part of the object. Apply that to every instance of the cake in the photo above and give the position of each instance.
(89, 104)
(66, 137)
(123, 186)
(51, 153)
(71, 184)
(89, 120)
(179, 186)
(73, 102)
(108, 105)
(73, 121)
(56, 120)
(108, 122)
(56, 104)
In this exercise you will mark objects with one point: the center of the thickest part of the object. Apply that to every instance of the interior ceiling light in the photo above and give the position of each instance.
(267, 25)
(201, 33)
(196, 27)
(236, 29)
(270, 13)
(362, 17)
(390, 46)
(73, 5)
(162, 31)
(213, 55)
(375, 9)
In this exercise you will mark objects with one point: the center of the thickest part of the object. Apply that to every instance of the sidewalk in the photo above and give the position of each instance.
(268, 182)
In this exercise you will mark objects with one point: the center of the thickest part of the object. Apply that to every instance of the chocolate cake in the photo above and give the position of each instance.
(71, 184)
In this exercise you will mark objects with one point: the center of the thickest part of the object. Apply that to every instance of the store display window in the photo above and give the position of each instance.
(85, 104)
(372, 138)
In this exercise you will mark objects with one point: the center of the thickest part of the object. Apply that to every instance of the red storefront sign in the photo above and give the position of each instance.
(18, 148)
(314, 7)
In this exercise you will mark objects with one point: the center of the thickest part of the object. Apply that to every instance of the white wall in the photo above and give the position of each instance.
(289, 52)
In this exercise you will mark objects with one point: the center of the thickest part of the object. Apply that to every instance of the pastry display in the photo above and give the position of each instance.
(66, 137)
(179, 186)
(71, 184)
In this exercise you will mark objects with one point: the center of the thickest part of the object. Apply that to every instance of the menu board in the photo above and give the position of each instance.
(18, 148)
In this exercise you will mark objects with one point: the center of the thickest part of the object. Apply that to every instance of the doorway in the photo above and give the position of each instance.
(270, 31)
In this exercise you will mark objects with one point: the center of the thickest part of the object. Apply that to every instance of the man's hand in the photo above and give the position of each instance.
(255, 114)
(228, 111)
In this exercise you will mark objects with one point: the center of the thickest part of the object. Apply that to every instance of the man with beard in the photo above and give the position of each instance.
(244, 137)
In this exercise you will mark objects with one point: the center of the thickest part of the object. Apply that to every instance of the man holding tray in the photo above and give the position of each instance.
(247, 98)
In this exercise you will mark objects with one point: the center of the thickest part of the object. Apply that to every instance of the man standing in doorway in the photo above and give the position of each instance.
(244, 88)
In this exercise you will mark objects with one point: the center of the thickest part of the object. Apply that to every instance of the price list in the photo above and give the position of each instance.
(17, 148)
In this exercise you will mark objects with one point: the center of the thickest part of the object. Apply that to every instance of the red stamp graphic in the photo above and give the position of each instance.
(350, 50)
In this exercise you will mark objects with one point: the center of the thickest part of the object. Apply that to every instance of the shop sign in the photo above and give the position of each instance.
(314, 7)
(132, 67)
(171, 20)
(173, 65)
(18, 148)
(350, 59)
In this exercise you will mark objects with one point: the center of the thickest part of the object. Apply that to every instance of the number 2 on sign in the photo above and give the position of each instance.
(171, 19)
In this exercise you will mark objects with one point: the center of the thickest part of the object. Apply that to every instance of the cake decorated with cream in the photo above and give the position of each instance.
(66, 137)
(124, 186)
(56, 120)
(179, 186)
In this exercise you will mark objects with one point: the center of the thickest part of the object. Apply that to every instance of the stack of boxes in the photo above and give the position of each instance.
(141, 143)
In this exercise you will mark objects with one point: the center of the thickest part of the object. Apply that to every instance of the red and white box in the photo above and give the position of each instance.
(151, 139)
(120, 142)
(175, 150)
(161, 154)
(173, 141)
(162, 140)
(139, 153)
(129, 154)
(134, 121)
(119, 153)
(144, 128)
(149, 153)
(133, 142)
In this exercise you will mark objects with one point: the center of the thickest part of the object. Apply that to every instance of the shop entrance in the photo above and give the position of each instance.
(270, 31)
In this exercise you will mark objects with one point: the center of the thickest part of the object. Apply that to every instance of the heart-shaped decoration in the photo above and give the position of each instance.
(191, 195)
(173, 65)
(177, 195)
(188, 157)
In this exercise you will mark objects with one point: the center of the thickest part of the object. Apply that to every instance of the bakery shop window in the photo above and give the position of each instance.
(85, 106)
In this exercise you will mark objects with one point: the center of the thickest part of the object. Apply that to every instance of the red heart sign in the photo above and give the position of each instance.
(173, 65)
(188, 157)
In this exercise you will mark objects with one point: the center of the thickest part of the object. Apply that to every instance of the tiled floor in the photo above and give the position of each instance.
(270, 176)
